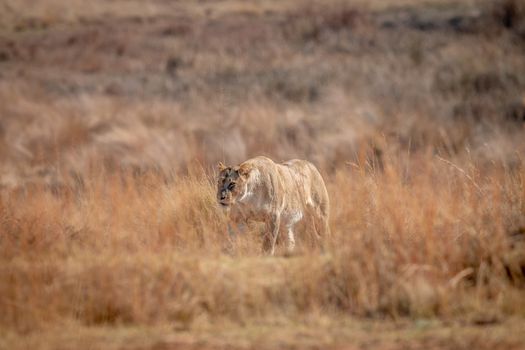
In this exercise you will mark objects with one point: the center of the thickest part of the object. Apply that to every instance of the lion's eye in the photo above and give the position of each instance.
(231, 186)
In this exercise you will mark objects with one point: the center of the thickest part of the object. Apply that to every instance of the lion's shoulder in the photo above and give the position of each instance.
(260, 162)
(261, 165)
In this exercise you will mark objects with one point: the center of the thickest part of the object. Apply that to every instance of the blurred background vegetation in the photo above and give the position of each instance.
(159, 84)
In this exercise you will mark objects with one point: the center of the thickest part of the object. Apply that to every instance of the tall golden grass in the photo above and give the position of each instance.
(423, 239)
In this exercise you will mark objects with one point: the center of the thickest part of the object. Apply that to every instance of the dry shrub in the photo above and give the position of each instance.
(510, 14)
(310, 22)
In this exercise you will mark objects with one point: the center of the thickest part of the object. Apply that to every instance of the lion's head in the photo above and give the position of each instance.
(232, 183)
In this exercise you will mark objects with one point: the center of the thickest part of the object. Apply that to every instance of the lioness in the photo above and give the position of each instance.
(280, 195)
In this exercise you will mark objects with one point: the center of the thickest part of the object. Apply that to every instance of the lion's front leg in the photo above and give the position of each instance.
(271, 239)
(236, 225)
(234, 229)
(291, 239)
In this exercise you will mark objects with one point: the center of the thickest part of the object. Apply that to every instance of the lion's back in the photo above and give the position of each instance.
(307, 176)
(295, 180)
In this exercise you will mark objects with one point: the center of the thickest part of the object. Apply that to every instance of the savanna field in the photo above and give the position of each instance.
(114, 115)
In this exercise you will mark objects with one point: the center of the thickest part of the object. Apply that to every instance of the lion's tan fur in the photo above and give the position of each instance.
(282, 195)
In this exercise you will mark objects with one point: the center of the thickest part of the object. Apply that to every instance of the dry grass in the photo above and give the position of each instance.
(424, 240)
(109, 136)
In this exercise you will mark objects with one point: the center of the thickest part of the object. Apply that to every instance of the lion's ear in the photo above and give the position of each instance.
(221, 166)
(244, 169)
